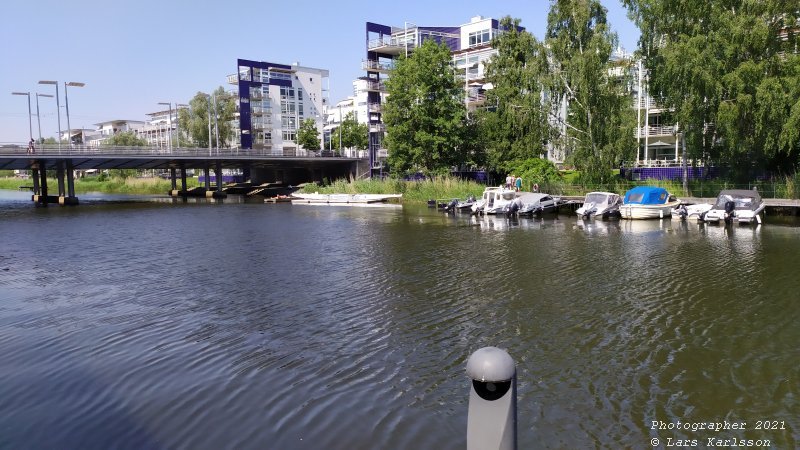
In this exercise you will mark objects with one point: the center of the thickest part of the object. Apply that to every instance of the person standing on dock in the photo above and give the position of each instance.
(518, 184)
(31, 148)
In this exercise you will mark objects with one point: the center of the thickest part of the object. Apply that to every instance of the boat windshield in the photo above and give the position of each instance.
(636, 197)
(596, 198)
(741, 202)
(509, 195)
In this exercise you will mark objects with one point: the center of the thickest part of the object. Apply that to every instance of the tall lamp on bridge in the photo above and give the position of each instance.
(30, 123)
(66, 102)
(58, 108)
(38, 118)
(178, 107)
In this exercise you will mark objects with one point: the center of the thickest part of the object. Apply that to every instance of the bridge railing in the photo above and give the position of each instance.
(83, 150)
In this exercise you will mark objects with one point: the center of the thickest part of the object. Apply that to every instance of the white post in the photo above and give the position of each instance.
(639, 115)
(492, 414)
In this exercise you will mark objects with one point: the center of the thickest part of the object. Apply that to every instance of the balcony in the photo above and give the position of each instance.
(656, 130)
(375, 66)
(376, 86)
(233, 79)
(374, 107)
(643, 103)
(394, 45)
(377, 127)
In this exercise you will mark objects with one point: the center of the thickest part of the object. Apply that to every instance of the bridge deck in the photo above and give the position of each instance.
(17, 157)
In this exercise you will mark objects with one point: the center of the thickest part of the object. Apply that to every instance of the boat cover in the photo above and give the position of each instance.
(744, 199)
(646, 195)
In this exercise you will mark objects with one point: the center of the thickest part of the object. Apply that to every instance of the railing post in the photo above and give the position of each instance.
(492, 415)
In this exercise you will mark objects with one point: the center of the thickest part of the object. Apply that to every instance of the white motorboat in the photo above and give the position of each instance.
(499, 200)
(736, 205)
(493, 200)
(600, 204)
(697, 211)
(533, 203)
(647, 202)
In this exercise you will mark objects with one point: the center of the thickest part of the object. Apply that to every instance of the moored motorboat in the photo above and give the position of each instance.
(533, 203)
(736, 205)
(499, 200)
(697, 211)
(647, 202)
(600, 204)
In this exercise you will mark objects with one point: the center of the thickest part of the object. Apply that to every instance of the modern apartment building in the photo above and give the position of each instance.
(470, 46)
(273, 100)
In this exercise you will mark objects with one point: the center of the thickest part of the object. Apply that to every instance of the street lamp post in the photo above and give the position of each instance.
(216, 125)
(38, 119)
(169, 121)
(66, 102)
(178, 121)
(58, 108)
(30, 123)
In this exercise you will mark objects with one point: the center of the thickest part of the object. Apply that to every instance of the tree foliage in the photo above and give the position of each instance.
(583, 81)
(308, 135)
(125, 139)
(535, 170)
(728, 69)
(515, 121)
(195, 119)
(350, 134)
(425, 113)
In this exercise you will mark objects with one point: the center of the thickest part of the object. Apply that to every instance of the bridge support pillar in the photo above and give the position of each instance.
(65, 196)
(35, 178)
(183, 179)
(173, 178)
(217, 193)
(40, 194)
(207, 177)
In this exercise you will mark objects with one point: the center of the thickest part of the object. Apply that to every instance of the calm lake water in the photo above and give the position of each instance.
(163, 324)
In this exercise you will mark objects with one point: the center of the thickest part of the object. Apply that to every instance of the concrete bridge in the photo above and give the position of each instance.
(262, 166)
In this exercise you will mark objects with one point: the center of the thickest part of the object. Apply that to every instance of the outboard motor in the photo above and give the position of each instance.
(730, 206)
(512, 209)
(452, 205)
(682, 212)
(589, 210)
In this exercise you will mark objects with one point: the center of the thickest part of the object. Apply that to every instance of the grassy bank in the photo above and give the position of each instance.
(141, 186)
(448, 188)
(413, 191)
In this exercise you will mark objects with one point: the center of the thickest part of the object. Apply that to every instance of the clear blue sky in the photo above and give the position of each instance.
(135, 54)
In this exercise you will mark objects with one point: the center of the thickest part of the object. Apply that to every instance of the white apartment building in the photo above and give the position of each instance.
(273, 100)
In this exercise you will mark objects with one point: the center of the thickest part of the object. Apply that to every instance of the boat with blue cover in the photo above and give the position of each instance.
(648, 202)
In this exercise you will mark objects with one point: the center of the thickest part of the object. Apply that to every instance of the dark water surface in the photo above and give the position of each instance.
(242, 325)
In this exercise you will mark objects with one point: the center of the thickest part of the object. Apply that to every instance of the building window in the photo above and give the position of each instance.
(300, 94)
(288, 135)
(287, 108)
(287, 93)
(479, 37)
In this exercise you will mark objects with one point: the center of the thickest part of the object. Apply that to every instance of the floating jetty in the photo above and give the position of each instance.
(342, 199)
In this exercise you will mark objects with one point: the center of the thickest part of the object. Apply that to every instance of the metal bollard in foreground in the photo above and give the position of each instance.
(492, 415)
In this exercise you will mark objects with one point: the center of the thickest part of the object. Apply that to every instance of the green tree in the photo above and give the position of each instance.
(728, 70)
(353, 134)
(195, 119)
(515, 122)
(534, 171)
(598, 125)
(425, 114)
(125, 139)
(308, 136)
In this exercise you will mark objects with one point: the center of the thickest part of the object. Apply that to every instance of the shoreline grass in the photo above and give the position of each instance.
(143, 186)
